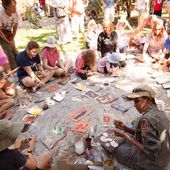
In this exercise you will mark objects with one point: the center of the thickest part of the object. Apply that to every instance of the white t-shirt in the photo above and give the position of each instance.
(140, 4)
(6, 22)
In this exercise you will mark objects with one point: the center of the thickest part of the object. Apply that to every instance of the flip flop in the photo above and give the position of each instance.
(64, 80)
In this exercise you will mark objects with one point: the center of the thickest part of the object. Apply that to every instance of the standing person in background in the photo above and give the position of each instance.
(141, 6)
(158, 4)
(62, 22)
(8, 27)
(77, 11)
(109, 12)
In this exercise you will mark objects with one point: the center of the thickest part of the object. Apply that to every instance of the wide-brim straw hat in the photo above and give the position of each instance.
(9, 131)
(51, 42)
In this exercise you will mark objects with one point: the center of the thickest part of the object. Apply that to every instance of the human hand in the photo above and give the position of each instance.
(41, 83)
(36, 80)
(119, 132)
(55, 67)
(119, 124)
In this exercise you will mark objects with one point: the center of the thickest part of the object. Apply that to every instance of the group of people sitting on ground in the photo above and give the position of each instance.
(145, 145)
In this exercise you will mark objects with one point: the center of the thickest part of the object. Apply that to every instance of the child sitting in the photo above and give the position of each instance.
(85, 63)
(110, 64)
(165, 62)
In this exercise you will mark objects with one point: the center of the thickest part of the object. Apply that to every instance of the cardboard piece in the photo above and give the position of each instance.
(168, 93)
(52, 88)
(29, 118)
(109, 141)
(66, 165)
(108, 98)
(166, 85)
(35, 110)
(79, 113)
(59, 96)
(79, 86)
(91, 94)
(81, 127)
(121, 106)
(64, 80)
(106, 120)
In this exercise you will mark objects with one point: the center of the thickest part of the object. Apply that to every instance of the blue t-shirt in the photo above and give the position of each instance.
(109, 3)
(167, 45)
(23, 61)
(11, 159)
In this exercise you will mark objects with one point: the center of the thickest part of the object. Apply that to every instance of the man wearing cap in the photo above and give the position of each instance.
(147, 146)
(12, 159)
(31, 73)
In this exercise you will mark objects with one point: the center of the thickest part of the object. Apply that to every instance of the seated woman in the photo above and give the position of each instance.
(6, 102)
(31, 73)
(110, 64)
(85, 63)
(52, 60)
(107, 39)
(154, 43)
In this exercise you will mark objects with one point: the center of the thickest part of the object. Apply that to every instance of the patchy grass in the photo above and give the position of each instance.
(24, 35)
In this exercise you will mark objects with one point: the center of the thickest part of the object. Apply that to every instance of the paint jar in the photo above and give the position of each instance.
(79, 147)
(108, 164)
(88, 143)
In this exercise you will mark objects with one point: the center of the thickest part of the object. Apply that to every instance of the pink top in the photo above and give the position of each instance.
(158, 6)
(3, 57)
(80, 64)
(103, 62)
(52, 57)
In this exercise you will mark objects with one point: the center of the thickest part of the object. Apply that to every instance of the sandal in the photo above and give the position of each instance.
(64, 80)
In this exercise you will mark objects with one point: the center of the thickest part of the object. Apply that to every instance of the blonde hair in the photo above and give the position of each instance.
(154, 28)
(109, 24)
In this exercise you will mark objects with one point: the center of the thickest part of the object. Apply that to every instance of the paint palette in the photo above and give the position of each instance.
(29, 118)
(109, 141)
